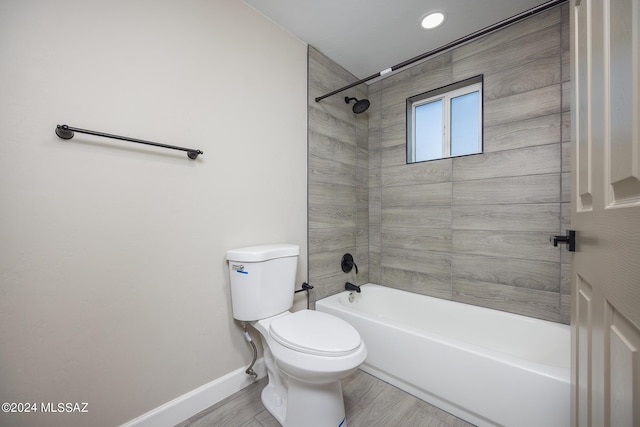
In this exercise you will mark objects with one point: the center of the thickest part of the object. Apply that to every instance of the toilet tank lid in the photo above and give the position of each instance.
(263, 253)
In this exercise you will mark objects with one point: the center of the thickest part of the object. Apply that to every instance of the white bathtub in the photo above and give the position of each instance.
(485, 366)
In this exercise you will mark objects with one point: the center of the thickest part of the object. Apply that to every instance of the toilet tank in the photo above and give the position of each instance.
(262, 279)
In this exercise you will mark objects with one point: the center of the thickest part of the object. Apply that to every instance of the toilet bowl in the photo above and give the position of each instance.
(306, 352)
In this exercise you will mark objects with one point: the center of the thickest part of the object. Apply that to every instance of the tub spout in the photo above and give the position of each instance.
(351, 287)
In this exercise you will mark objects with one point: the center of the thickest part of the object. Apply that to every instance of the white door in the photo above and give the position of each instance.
(605, 316)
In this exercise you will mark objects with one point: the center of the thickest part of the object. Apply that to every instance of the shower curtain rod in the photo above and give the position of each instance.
(452, 44)
(67, 132)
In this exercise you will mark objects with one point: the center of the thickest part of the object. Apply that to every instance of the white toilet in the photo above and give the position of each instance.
(307, 353)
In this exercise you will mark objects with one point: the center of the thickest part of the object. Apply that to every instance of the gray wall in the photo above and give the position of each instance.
(338, 185)
(473, 229)
(114, 288)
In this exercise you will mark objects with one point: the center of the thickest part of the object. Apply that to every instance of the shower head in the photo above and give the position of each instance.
(360, 106)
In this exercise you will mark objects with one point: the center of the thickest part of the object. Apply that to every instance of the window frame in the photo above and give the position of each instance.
(445, 93)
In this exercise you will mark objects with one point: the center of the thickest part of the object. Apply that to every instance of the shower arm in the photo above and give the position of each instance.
(451, 45)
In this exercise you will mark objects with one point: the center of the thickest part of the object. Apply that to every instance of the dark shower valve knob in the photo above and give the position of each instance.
(347, 263)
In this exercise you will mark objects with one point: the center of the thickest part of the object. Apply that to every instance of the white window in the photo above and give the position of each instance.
(445, 122)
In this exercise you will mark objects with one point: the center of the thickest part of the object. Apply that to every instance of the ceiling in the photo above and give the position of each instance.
(368, 36)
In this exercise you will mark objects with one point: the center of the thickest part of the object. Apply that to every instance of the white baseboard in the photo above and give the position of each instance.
(189, 404)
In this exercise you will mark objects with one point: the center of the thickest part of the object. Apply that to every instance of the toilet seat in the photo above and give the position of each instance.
(316, 333)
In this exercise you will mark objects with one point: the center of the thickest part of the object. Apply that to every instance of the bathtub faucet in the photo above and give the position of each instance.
(351, 287)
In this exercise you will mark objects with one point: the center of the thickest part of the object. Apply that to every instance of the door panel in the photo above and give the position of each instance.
(622, 44)
(583, 382)
(605, 318)
(582, 80)
(624, 370)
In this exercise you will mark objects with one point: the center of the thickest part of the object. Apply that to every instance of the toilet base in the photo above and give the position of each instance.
(309, 405)
(275, 404)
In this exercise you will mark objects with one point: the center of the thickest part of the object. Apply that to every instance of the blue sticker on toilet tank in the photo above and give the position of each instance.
(239, 268)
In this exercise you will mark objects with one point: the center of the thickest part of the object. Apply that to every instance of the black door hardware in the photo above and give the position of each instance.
(569, 240)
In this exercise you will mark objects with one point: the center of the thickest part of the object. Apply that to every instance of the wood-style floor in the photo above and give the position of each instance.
(369, 402)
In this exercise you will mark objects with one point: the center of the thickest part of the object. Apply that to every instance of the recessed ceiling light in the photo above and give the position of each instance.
(432, 20)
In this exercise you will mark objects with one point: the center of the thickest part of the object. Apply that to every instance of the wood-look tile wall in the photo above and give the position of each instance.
(473, 229)
(338, 205)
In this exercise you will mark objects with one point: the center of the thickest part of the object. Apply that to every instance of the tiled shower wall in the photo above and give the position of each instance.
(474, 229)
(338, 205)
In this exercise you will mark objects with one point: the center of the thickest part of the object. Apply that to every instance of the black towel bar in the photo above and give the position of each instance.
(67, 132)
